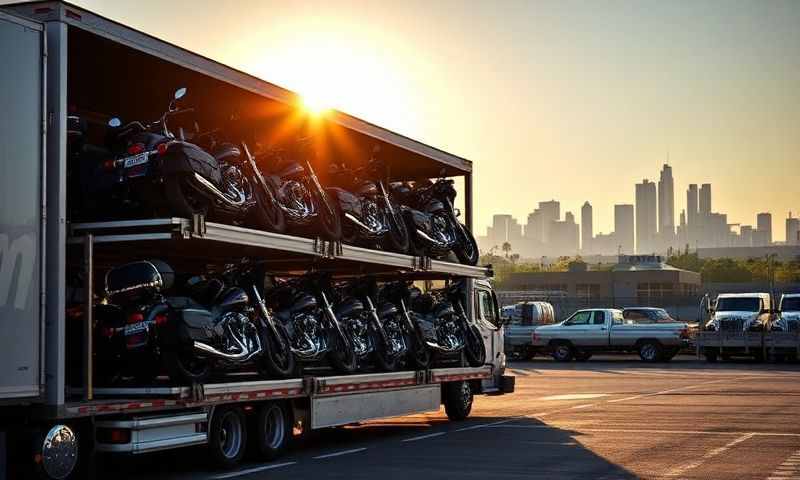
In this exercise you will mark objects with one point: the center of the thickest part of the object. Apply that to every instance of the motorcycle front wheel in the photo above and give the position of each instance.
(397, 240)
(474, 348)
(343, 357)
(467, 249)
(278, 359)
(383, 359)
(418, 355)
(329, 223)
(266, 214)
(183, 199)
(185, 367)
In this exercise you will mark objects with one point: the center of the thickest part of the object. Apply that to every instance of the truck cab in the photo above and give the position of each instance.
(486, 314)
(788, 313)
(740, 312)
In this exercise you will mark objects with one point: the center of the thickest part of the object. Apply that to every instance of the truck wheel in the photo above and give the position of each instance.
(457, 400)
(56, 453)
(710, 354)
(563, 352)
(227, 437)
(650, 351)
(272, 430)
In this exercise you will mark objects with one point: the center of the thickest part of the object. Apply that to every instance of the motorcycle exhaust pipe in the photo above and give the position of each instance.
(372, 231)
(244, 356)
(430, 239)
(238, 203)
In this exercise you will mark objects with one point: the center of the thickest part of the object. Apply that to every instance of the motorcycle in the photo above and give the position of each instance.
(153, 167)
(314, 333)
(298, 192)
(216, 327)
(370, 217)
(398, 295)
(442, 321)
(433, 220)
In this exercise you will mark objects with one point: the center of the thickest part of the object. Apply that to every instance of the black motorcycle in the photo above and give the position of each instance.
(154, 168)
(216, 327)
(298, 192)
(432, 220)
(313, 332)
(369, 216)
(398, 295)
(440, 318)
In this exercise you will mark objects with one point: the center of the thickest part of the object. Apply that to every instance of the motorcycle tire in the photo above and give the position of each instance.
(398, 239)
(278, 359)
(329, 224)
(474, 348)
(350, 234)
(384, 361)
(419, 356)
(467, 249)
(343, 358)
(183, 200)
(185, 368)
(266, 214)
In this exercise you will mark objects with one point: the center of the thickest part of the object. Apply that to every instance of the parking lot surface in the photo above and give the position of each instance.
(609, 418)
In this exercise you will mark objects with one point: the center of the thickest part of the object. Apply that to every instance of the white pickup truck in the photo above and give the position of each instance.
(605, 330)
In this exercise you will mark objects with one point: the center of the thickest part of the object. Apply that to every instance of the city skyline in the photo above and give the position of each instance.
(651, 217)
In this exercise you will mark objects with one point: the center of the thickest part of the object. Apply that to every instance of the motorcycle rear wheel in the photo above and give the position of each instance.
(182, 198)
(266, 214)
(278, 359)
(184, 367)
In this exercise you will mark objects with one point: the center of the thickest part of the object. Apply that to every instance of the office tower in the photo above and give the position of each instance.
(646, 216)
(505, 228)
(587, 227)
(764, 228)
(564, 236)
(623, 228)
(792, 230)
(666, 203)
(550, 212)
(691, 206)
(746, 236)
(705, 200)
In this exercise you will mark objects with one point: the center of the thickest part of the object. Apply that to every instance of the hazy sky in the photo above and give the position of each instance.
(572, 100)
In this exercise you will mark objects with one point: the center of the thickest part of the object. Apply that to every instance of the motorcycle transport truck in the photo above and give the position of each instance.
(105, 212)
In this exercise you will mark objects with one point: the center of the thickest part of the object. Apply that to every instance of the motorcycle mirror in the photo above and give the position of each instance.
(114, 122)
(180, 93)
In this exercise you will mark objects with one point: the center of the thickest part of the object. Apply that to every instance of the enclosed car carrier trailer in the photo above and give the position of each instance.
(61, 59)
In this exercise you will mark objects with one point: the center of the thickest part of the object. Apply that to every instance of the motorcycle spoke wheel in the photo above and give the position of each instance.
(343, 357)
(467, 249)
(279, 359)
(398, 238)
(329, 223)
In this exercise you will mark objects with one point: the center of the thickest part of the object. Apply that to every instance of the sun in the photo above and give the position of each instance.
(314, 103)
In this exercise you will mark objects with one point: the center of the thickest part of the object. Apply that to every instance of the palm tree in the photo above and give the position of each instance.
(506, 248)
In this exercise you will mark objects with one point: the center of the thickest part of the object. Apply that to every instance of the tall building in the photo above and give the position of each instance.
(746, 236)
(564, 236)
(666, 203)
(646, 217)
(504, 229)
(550, 212)
(764, 228)
(587, 227)
(792, 230)
(705, 200)
(623, 228)
(691, 206)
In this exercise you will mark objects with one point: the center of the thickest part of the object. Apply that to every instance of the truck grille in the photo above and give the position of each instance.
(731, 325)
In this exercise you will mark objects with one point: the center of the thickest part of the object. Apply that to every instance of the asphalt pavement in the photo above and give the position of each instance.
(609, 418)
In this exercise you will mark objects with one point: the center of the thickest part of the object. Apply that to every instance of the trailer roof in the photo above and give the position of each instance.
(79, 17)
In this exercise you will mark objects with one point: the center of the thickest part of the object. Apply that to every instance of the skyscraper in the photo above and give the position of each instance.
(764, 228)
(666, 203)
(792, 230)
(587, 228)
(705, 200)
(646, 216)
(550, 212)
(623, 228)
(691, 206)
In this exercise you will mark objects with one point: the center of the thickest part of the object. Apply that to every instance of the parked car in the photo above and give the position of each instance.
(590, 331)
(522, 318)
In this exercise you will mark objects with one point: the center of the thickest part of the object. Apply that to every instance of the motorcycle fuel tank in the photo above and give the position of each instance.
(233, 298)
(349, 307)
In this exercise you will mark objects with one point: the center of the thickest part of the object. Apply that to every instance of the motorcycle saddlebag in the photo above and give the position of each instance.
(193, 322)
(187, 158)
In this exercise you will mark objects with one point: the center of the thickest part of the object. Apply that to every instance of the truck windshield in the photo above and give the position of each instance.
(791, 304)
(738, 304)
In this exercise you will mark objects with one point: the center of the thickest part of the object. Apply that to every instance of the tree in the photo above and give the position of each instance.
(725, 270)
(506, 248)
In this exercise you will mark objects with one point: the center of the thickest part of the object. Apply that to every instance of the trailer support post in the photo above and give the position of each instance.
(88, 285)
(468, 200)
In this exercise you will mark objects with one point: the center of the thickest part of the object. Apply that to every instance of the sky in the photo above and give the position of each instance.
(571, 100)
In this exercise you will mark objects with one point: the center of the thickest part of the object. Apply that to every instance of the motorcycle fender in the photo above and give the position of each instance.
(420, 220)
(348, 202)
(187, 158)
(386, 310)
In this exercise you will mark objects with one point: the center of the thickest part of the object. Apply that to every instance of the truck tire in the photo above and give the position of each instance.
(457, 400)
(271, 431)
(710, 354)
(227, 437)
(563, 352)
(57, 453)
(650, 351)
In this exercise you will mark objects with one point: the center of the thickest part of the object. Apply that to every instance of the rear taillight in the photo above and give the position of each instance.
(135, 318)
(162, 148)
(136, 149)
(161, 319)
(113, 435)
(109, 165)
